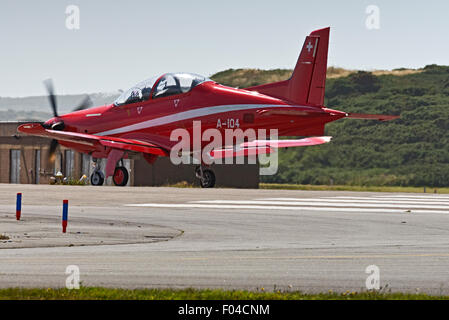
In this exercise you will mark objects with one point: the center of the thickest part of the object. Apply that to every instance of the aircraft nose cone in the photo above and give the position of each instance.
(50, 122)
(55, 124)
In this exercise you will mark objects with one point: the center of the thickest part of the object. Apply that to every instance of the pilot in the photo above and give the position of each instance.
(146, 93)
(135, 96)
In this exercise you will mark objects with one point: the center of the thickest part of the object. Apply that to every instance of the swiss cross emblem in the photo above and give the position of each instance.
(309, 46)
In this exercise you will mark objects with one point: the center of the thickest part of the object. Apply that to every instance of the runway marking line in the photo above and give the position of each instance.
(415, 196)
(360, 199)
(317, 203)
(369, 204)
(296, 208)
(335, 257)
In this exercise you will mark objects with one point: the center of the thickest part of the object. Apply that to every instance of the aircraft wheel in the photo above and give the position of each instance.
(120, 177)
(97, 178)
(208, 179)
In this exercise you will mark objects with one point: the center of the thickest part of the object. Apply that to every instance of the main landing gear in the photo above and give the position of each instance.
(120, 177)
(206, 176)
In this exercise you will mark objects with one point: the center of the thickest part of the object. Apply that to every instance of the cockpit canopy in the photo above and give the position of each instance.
(169, 84)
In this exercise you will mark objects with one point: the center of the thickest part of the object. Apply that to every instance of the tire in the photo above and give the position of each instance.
(120, 176)
(97, 178)
(208, 179)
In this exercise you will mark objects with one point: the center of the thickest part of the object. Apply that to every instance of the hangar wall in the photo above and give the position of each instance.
(23, 160)
(163, 172)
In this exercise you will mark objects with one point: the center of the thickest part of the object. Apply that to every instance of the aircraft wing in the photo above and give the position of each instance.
(265, 147)
(93, 141)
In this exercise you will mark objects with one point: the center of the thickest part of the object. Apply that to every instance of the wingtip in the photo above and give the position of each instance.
(29, 127)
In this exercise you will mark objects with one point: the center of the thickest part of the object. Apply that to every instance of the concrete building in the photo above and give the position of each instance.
(23, 160)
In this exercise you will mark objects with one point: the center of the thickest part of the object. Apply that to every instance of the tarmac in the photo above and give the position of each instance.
(225, 238)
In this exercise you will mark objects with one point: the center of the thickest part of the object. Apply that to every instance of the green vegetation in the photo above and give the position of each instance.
(411, 151)
(244, 78)
(182, 185)
(69, 182)
(192, 294)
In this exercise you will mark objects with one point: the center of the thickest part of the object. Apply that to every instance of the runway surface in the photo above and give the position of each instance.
(225, 238)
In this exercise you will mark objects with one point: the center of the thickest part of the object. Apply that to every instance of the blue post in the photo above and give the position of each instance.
(65, 215)
(19, 206)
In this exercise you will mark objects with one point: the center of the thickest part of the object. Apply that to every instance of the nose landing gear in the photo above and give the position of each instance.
(97, 177)
(206, 176)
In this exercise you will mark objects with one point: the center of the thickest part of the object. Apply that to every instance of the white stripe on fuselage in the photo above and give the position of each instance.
(191, 114)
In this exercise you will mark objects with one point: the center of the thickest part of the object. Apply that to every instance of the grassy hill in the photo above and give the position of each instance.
(411, 151)
(244, 78)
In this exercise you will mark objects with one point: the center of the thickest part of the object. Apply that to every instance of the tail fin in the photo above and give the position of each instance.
(307, 84)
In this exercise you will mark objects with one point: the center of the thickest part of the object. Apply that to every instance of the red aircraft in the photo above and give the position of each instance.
(140, 121)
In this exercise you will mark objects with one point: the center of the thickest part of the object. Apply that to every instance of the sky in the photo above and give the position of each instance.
(120, 43)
